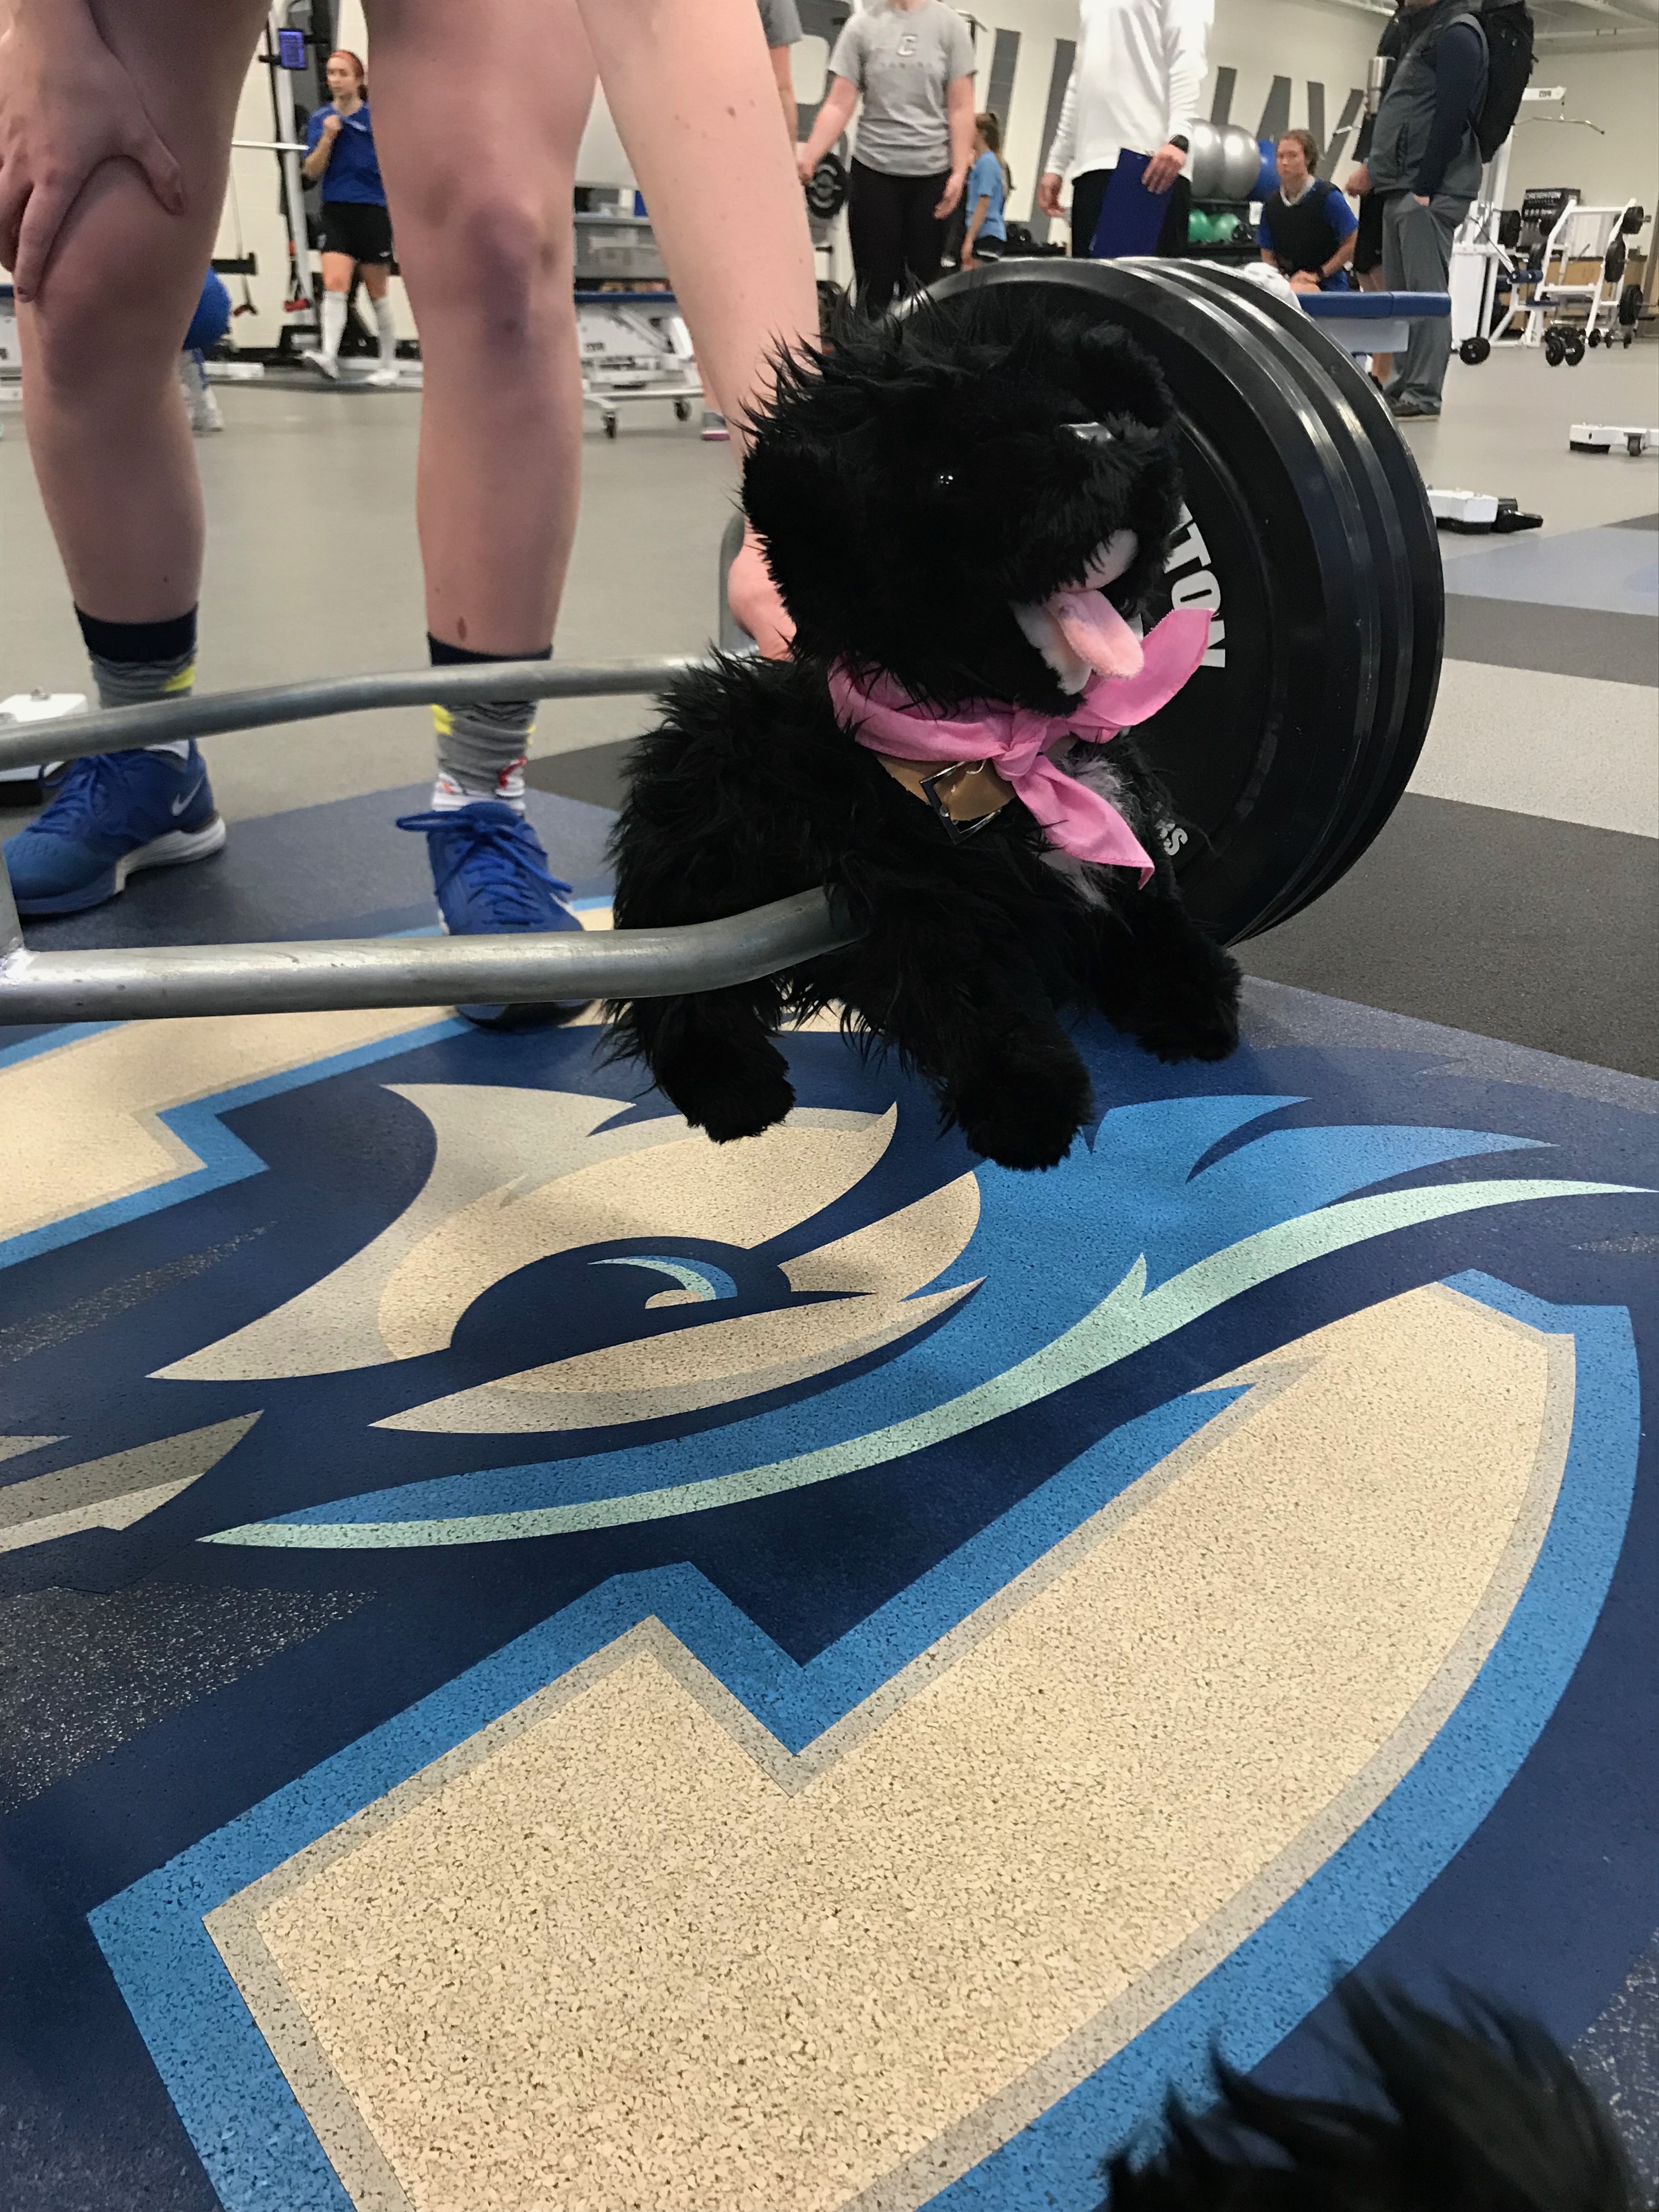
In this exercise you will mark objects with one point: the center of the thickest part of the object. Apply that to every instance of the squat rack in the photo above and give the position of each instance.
(150, 982)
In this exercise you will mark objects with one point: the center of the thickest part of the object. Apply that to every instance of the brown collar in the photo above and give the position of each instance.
(966, 794)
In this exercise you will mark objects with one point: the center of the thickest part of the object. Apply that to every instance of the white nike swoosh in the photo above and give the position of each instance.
(179, 805)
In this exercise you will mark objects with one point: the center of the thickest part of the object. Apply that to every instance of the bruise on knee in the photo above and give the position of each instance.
(498, 263)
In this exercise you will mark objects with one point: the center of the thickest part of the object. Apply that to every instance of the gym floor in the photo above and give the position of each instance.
(468, 1745)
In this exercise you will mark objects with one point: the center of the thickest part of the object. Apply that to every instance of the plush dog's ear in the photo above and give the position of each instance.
(801, 501)
(1119, 379)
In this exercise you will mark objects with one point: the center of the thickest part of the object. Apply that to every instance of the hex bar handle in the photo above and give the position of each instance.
(150, 983)
(215, 713)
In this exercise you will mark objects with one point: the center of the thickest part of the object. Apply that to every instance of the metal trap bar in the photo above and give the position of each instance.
(151, 982)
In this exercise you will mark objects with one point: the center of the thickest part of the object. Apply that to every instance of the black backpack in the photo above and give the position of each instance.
(1509, 30)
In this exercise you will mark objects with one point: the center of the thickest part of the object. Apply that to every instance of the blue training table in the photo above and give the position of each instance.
(1372, 322)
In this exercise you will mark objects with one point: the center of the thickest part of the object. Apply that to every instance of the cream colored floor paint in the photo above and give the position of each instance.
(82, 1120)
(518, 1175)
(622, 1951)
(877, 1269)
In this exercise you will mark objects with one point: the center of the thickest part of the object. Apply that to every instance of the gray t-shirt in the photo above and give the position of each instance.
(780, 22)
(903, 61)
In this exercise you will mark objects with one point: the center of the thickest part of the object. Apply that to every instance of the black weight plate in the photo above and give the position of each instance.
(1259, 748)
(826, 189)
(1379, 553)
(1404, 565)
(1409, 505)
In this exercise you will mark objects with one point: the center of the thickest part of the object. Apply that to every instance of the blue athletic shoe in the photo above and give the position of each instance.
(491, 874)
(113, 814)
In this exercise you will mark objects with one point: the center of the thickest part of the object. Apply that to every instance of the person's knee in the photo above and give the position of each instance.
(103, 313)
(498, 263)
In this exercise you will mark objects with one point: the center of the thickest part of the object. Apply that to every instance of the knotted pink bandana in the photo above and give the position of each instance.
(1015, 740)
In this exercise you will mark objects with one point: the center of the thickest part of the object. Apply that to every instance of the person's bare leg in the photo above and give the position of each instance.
(478, 113)
(1382, 363)
(690, 85)
(106, 420)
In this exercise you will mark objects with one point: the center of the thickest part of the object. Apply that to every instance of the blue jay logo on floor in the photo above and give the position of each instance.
(666, 1325)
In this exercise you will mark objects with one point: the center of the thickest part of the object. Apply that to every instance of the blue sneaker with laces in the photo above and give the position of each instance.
(112, 814)
(491, 874)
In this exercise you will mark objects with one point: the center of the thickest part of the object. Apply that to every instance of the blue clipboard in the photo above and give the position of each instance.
(1131, 217)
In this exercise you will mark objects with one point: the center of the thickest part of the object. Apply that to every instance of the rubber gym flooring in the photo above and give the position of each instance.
(482, 1730)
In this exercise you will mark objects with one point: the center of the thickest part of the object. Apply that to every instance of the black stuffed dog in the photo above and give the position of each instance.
(1479, 2114)
(960, 508)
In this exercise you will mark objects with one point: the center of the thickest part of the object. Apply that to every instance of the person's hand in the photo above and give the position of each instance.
(333, 124)
(1359, 181)
(1166, 166)
(968, 259)
(1422, 198)
(804, 164)
(1048, 188)
(753, 598)
(951, 195)
(66, 106)
(1305, 280)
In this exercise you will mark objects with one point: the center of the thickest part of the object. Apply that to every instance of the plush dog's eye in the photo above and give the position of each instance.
(1093, 433)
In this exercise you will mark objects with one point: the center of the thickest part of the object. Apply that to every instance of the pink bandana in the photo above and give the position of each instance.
(1016, 739)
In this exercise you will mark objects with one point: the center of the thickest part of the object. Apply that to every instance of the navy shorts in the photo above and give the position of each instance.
(360, 228)
(1368, 239)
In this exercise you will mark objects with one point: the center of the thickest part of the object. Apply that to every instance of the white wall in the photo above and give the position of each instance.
(1619, 91)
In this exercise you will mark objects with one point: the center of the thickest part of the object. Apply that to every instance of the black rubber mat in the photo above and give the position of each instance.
(1537, 932)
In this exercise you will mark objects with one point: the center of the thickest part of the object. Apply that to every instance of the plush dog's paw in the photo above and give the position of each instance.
(1023, 1119)
(1192, 1027)
(1187, 1007)
(743, 1105)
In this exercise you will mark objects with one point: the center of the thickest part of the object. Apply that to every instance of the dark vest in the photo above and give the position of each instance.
(1407, 115)
(1302, 236)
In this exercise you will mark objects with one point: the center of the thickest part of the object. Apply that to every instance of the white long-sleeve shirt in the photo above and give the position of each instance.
(1139, 70)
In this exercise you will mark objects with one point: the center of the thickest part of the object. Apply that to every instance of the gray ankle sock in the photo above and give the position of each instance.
(481, 749)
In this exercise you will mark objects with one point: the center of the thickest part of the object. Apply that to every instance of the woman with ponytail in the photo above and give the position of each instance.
(989, 186)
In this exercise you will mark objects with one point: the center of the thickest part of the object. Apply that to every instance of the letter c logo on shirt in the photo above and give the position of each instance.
(907, 46)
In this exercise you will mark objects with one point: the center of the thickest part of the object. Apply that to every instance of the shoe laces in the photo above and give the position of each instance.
(503, 861)
(94, 788)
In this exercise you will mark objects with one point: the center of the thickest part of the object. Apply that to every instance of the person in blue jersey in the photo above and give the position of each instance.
(356, 227)
(987, 195)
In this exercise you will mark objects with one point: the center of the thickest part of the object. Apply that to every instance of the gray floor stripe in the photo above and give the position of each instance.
(1539, 933)
(1639, 522)
(1558, 640)
(594, 776)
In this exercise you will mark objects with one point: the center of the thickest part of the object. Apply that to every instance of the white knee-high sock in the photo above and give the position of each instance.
(385, 324)
(334, 321)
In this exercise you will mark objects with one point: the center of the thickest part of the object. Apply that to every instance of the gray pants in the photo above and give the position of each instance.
(1417, 244)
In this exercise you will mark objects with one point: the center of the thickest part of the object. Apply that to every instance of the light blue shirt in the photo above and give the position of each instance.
(985, 182)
